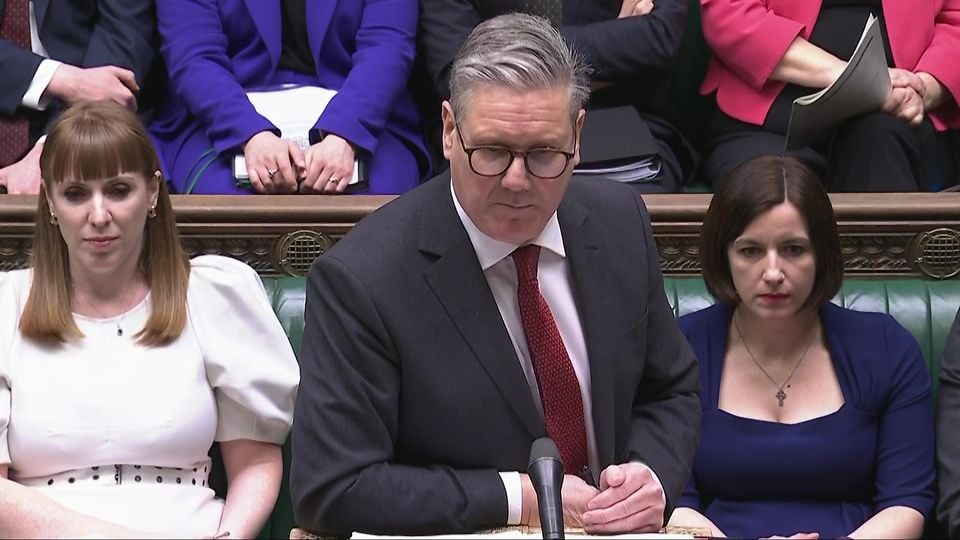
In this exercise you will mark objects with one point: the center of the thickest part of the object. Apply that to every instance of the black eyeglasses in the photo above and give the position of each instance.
(545, 163)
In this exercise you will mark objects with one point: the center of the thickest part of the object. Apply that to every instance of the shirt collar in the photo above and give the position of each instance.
(491, 251)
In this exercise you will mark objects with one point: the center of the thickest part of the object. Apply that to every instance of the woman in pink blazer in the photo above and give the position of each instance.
(768, 52)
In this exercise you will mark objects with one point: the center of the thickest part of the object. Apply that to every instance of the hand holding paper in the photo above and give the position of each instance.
(294, 110)
(268, 163)
(863, 87)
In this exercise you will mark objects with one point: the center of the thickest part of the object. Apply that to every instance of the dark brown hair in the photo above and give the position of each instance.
(752, 189)
(94, 140)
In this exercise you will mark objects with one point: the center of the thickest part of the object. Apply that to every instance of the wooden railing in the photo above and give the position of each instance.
(881, 234)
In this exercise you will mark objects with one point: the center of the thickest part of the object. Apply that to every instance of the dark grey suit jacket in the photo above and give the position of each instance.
(948, 434)
(84, 33)
(412, 397)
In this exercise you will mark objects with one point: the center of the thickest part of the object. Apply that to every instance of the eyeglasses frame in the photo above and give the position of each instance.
(513, 155)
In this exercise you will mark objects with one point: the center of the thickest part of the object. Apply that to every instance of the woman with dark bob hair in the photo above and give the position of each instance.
(817, 420)
(121, 362)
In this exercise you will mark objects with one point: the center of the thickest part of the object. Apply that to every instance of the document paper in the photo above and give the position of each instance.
(294, 109)
(862, 87)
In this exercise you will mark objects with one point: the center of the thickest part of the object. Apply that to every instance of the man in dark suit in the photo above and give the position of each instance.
(81, 50)
(486, 309)
(630, 47)
(948, 437)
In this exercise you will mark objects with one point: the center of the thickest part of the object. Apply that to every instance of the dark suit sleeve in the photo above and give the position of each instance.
(18, 67)
(665, 428)
(631, 46)
(614, 48)
(948, 436)
(345, 474)
(443, 27)
(124, 35)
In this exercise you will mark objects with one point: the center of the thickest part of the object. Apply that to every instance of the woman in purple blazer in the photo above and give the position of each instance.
(218, 50)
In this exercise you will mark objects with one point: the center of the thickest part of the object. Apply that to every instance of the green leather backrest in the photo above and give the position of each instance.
(287, 296)
(925, 308)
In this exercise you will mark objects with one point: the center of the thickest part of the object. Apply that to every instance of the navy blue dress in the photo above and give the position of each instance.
(756, 478)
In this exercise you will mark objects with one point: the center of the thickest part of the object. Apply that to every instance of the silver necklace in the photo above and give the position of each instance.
(781, 394)
(100, 314)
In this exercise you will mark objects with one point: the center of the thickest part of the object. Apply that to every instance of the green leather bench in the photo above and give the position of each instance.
(926, 308)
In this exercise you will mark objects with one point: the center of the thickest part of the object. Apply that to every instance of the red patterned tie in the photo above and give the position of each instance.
(15, 132)
(559, 388)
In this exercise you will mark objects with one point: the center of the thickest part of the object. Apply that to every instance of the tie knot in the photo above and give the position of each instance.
(526, 258)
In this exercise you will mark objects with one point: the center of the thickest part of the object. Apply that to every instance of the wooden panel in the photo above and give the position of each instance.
(881, 234)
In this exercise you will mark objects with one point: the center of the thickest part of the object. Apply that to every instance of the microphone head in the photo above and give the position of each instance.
(543, 448)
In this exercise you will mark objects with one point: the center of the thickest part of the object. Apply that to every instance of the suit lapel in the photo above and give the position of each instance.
(460, 286)
(319, 15)
(596, 298)
(40, 12)
(266, 17)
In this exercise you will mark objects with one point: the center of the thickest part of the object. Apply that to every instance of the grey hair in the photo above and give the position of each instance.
(517, 51)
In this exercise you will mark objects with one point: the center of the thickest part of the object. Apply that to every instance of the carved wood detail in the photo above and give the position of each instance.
(881, 234)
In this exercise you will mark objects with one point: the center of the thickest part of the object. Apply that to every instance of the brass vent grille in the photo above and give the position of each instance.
(295, 251)
(937, 253)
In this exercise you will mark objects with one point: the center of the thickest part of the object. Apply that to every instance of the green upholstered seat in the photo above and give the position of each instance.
(925, 308)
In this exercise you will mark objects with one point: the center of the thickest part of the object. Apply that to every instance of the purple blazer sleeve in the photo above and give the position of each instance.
(380, 67)
(201, 72)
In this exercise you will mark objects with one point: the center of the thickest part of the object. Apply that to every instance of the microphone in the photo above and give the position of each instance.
(546, 473)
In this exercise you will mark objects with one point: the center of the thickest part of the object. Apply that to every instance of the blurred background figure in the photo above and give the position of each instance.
(54, 53)
(817, 420)
(948, 444)
(766, 53)
(117, 371)
(630, 47)
(218, 50)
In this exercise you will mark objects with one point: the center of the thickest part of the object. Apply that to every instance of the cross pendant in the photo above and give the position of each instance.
(781, 395)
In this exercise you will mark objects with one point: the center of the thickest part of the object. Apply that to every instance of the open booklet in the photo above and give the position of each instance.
(862, 87)
(294, 109)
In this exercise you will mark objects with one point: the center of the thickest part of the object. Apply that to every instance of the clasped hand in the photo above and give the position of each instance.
(278, 165)
(72, 84)
(912, 94)
(629, 500)
(635, 8)
(905, 100)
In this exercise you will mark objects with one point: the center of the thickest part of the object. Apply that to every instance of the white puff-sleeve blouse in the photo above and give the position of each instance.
(121, 431)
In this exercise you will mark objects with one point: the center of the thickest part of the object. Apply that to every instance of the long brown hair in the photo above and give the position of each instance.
(94, 140)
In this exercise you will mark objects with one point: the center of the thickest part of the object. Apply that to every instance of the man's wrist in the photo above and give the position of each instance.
(513, 487)
(38, 96)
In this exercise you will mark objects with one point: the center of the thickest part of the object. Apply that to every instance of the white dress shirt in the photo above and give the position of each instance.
(33, 97)
(553, 273)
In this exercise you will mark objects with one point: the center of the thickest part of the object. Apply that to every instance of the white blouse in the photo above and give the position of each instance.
(121, 431)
